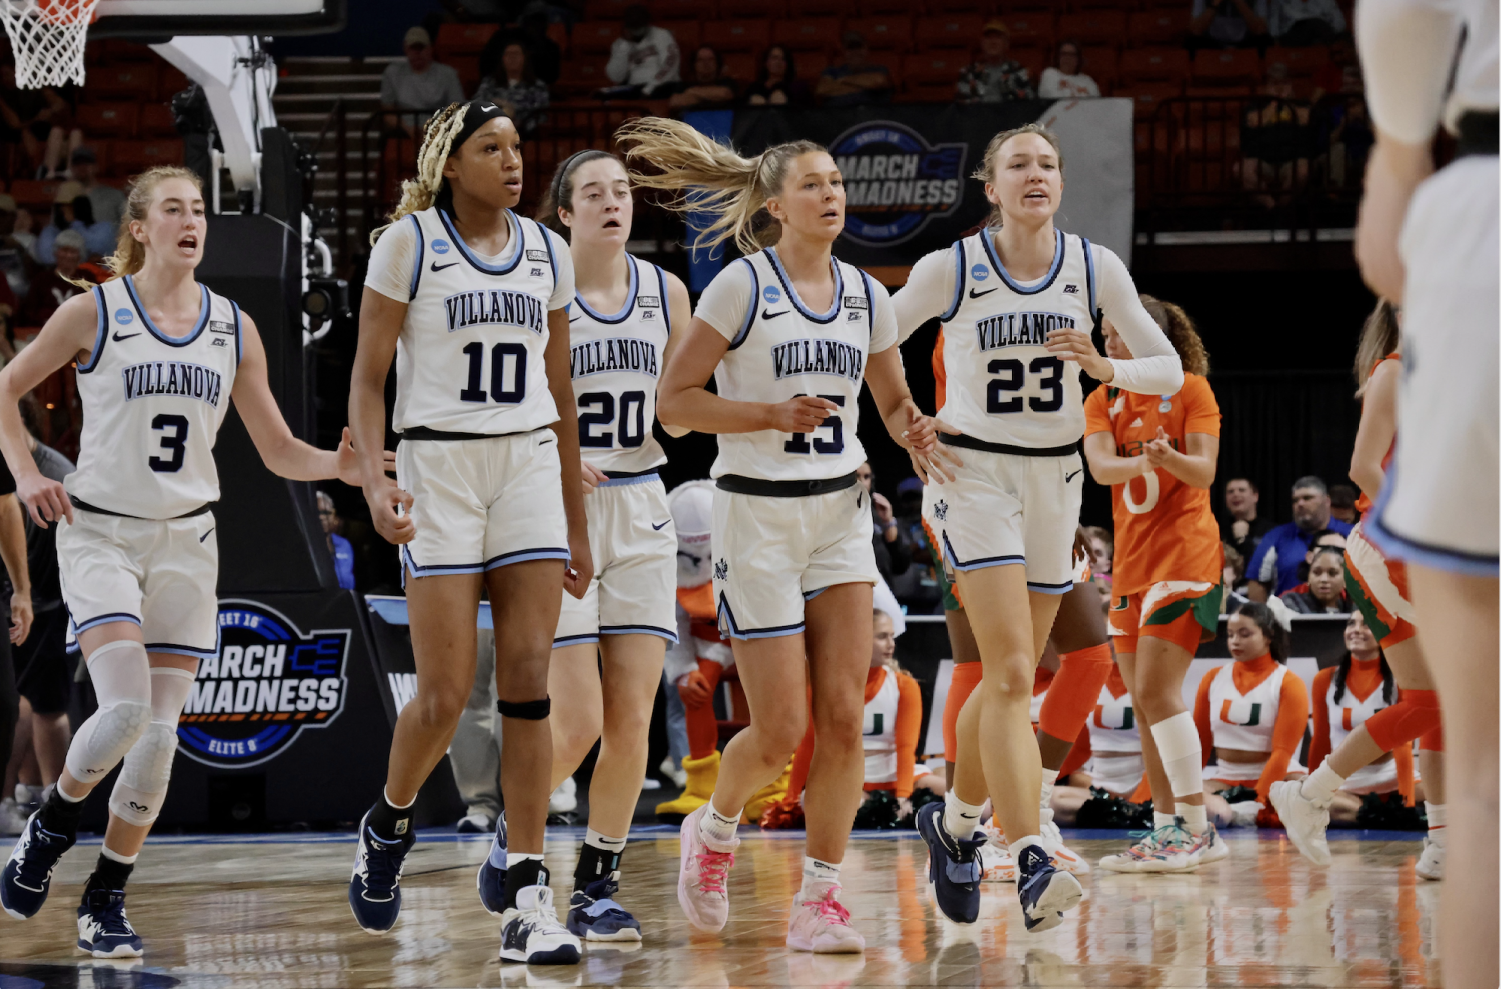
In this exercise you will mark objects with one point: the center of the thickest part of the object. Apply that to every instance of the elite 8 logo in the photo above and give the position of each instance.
(268, 684)
(895, 181)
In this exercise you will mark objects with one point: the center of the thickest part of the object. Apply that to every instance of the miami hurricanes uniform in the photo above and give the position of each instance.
(1168, 555)
(1115, 762)
(142, 546)
(472, 398)
(1334, 718)
(1255, 706)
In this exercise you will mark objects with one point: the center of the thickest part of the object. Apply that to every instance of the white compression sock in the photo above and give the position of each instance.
(1437, 820)
(115, 856)
(1049, 778)
(515, 858)
(959, 818)
(1321, 784)
(717, 826)
(1195, 818)
(818, 871)
(1161, 820)
(1182, 759)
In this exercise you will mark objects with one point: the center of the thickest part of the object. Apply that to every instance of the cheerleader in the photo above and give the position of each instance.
(789, 334)
(1023, 298)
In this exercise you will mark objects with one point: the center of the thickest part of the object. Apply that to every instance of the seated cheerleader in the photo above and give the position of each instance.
(1114, 763)
(1344, 697)
(1252, 713)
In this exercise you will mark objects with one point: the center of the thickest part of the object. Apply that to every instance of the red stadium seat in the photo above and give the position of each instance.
(130, 80)
(1153, 65)
(934, 68)
(1093, 27)
(955, 31)
(462, 39)
(1158, 27)
(1101, 64)
(737, 9)
(1148, 96)
(671, 10)
(872, 7)
(803, 34)
(1300, 62)
(156, 121)
(737, 36)
(114, 50)
(467, 66)
(135, 156)
(108, 119)
(169, 82)
(607, 10)
(743, 67)
(687, 33)
(1029, 27)
(1230, 67)
(594, 38)
(887, 33)
(947, 7)
(810, 66)
(34, 193)
(1034, 60)
(582, 76)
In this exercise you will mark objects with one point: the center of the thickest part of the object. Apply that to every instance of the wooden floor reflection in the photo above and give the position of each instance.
(272, 913)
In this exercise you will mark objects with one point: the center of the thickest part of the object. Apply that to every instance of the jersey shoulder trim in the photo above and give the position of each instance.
(1060, 244)
(870, 303)
(750, 309)
(417, 255)
(205, 305)
(630, 298)
(959, 255)
(100, 334)
(1089, 281)
(518, 252)
(551, 249)
(827, 317)
(239, 334)
(666, 307)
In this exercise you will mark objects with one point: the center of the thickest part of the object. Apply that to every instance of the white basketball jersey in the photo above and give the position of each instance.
(470, 355)
(1351, 712)
(1112, 726)
(1244, 721)
(152, 405)
(1003, 386)
(880, 731)
(616, 362)
(783, 350)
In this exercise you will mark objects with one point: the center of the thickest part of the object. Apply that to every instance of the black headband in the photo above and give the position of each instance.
(562, 174)
(476, 115)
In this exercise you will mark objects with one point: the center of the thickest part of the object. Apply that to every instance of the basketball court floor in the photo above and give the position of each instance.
(270, 911)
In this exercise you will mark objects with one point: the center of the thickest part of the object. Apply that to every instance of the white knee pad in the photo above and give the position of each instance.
(1182, 756)
(122, 684)
(142, 786)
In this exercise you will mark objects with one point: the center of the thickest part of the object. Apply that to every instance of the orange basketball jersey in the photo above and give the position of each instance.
(1363, 503)
(1164, 529)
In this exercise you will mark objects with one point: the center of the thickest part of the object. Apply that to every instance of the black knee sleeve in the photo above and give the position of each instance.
(525, 710)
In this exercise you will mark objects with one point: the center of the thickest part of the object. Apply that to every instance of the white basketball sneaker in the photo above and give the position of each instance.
(1063, 857)
(1431, 864)
(1306, 821)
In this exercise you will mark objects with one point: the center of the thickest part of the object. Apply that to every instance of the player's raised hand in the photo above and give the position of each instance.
(802, 414)
(45, 499)
(1077, 345)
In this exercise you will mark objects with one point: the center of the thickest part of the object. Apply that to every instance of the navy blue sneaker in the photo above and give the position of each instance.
(103, 930)
(375, 886)
(491, 881)
(953, 866)
(1046, 891)
(28, 874)
(594, 916)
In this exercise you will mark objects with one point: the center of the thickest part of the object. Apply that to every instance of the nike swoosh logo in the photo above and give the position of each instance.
(575, 319)
(1070, 477)
(659, 527)
(439, 267)
(774, 315)
(118, 338)
(975, 295)
(206, 535)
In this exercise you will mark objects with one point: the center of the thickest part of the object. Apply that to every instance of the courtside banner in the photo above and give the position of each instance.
(906, 168)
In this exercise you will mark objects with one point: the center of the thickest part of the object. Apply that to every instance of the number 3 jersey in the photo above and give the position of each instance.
(152, 405)
(779, 349)
(615, 362)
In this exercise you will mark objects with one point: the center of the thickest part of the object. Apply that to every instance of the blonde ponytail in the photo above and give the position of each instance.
(130, 254)
(421, 192)
(708, 177)
(1379, 337)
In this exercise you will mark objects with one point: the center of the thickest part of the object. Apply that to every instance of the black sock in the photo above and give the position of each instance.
(60, 816)
(527, 872)
(391, 823)
(108, 875)
(594, 864)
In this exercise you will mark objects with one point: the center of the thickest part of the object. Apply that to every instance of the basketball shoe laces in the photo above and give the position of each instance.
(831, 910)
(109, 915)
(36, 864)
(713, 869)
(1156, 840)
(382, 864)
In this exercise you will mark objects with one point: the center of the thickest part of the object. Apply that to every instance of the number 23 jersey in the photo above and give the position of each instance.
(152, 406)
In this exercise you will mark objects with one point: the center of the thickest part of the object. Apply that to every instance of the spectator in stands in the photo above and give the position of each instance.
(1325, 593)
(412, 89)
(856, 80)
(40, 120)
(644, 58)
(546, 56)
(1276, 140)
(1274, 566)
(478, 11)
(709, 88)
(338, 547)
(1228, 24)
(1244, 528)
(1301, 23)
(994, 77)
(1234, 574)
(893, 549)
(776, 82)
(1341, 73)
(517, 89)
(1066, 79)
(15, 248)
(107, 201)
(917, 589)
(99, 238)
(1350, 137)
(1342, 503)
(64, 217)
(51, 287)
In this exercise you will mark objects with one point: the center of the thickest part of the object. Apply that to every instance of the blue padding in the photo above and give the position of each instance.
(393, 610)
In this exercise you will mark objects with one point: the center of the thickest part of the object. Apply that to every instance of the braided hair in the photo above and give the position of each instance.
(1342, 672)
(429, 187)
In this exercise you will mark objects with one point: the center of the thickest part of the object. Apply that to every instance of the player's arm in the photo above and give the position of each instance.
(566, 427)
(1321, 744)
(679, 313)
(71, 334)
(1194, 465)
(13, 553)
(381, 318)
(1287, 732)
(1154, 367)
(1201, 716)
(928, 294)
(1378, 427)
(1108, 467)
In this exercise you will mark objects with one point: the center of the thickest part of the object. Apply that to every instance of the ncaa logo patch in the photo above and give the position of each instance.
(268, 684)
(124, 316)
(440, 247)
(895, 181)
(979, 272)
(771, 294)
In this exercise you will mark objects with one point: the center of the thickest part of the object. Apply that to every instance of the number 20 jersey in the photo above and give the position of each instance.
(152, 406)
(1003, 384)
(615, 362)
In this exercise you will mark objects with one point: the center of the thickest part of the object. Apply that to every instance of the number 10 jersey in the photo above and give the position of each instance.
(152, 406)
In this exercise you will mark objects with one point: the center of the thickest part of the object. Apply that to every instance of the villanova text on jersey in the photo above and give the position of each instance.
(172, 378)
(818, 357)
(1019, 329)
(614, 354)
(495, 306)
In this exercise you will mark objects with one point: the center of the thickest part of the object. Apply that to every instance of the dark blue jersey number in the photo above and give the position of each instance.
(834, 444)
(1011, 378)
(601, 406)
(175, 442)
(472, 392)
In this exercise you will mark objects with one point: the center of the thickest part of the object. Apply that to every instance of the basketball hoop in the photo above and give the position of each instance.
(47, 38)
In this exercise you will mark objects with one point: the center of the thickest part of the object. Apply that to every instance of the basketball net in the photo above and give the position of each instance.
(47, 37)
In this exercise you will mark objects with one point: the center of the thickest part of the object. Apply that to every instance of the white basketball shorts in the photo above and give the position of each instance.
(772, 554)
(161, 575)
(1002, 508)
(635, 548)
(1439, 506)
(481, 504)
